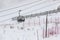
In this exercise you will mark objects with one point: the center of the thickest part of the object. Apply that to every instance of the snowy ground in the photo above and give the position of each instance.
(31, 29)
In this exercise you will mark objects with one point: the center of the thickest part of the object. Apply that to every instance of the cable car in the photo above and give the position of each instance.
(20, 19)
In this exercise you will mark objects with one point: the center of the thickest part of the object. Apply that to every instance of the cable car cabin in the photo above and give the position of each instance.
(20, 19)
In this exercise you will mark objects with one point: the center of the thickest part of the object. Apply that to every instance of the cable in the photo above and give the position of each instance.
(20, 6)
(12, 17)
(34, 5)
(8, 14)
(23, 10)
(43, 7)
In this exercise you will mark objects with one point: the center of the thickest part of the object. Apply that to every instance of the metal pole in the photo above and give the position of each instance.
(46, 25)
(37, 35)
(19, 12)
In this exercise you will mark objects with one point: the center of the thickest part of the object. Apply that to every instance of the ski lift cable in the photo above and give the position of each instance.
(42, 7)
(28, 12)
(17, 11)
(20, 6)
